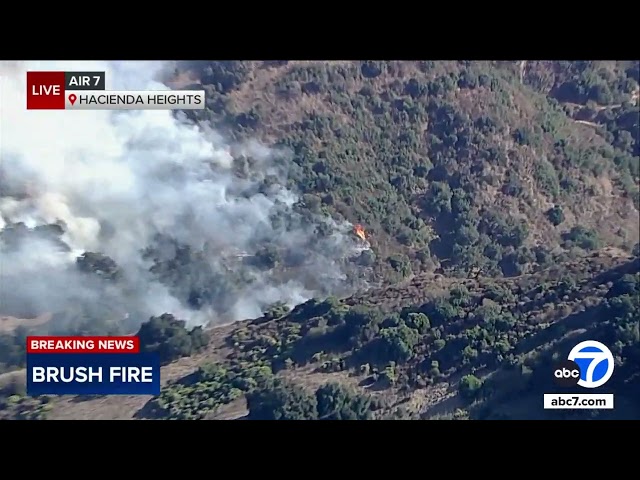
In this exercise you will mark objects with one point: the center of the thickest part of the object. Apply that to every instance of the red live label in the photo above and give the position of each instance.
(45, 90)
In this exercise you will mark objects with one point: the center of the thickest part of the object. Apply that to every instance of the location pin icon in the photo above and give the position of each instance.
(72, 98)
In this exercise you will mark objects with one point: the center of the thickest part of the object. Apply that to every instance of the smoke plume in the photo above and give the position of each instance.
(183, 222)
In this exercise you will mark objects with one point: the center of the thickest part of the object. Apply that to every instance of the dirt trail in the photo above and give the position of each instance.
(8, 324)
(585, 122)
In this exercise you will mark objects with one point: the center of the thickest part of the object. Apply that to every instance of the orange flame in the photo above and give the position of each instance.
(359, 231)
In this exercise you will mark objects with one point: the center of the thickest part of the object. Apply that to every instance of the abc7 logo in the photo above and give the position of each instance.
(568, 373)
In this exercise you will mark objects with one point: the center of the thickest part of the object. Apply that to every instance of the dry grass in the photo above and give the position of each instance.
(432, 401)
(9, 324)
(599, 205)
(125, 407)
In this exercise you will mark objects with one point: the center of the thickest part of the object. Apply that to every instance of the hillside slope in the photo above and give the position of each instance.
(475, 165)
(476, 348)
(501, 204)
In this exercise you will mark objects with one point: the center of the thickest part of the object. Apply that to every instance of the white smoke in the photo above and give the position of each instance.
(114, 181)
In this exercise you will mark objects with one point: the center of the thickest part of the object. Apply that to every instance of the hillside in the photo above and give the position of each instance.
(475, 348)
(500, 206)
(473, 165)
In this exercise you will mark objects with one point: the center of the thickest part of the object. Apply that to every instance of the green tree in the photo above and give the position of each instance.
(337, 402)
(555, 215)
(279, 400)
(583, 237)
(399, 342)
(276, 310)
(470, 386)
(99, 264)
(169, 338)
(419, 322)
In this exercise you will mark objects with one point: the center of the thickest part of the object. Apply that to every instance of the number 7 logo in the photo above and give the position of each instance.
(590, 356)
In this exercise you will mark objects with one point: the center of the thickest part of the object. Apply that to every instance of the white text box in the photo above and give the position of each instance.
(577, 401)
(135, 100)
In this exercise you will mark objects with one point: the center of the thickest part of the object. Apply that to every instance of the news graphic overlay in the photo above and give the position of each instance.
(90, 366)
(86, 91)
(135, 100)
(595, 362)
(48, 90)
(589, 365)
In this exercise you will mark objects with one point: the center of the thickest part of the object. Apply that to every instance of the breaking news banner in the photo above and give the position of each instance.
(86, 91)
(90, 366)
